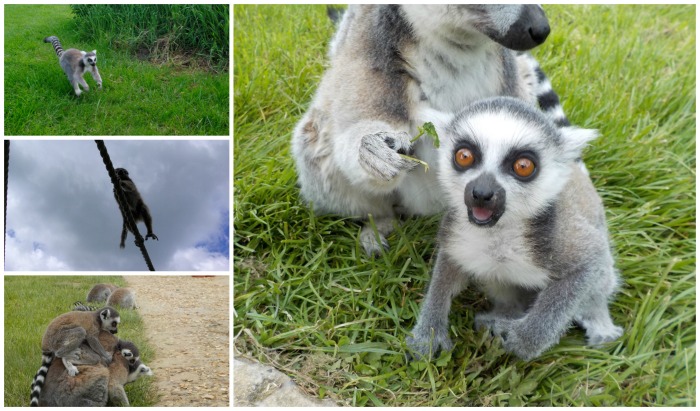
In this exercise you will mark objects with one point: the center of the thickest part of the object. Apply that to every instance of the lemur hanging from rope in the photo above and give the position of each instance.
(139, 210)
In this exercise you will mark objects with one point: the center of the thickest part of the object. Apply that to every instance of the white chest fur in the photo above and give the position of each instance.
(495, 255)
(450, 78)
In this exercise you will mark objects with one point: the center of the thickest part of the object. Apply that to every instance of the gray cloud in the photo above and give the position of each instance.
(62, 215)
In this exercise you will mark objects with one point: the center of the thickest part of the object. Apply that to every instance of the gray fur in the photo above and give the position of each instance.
(75, 63)
(387, 61)
(546, 262)
(123, 297)
(99, 292)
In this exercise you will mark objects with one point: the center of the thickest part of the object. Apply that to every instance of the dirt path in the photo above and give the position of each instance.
(187, 324)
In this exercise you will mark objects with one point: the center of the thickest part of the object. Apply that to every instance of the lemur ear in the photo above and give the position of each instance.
(94, 52)
(575, 139)
(82, 53)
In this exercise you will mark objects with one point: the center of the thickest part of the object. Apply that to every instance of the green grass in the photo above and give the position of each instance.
(196, 30)
(309, 302)
(31, 302)
(138, 97)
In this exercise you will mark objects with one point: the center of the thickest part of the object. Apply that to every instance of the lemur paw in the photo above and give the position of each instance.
(152, 236)
(428, 342)
(380, 154)
(72, 370)
(370, 243)
(510, 331)
(603, 336)
(515, 338)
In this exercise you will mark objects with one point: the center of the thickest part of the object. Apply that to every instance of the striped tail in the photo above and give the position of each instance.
(547, 98)
(39, 378)
(78, 306)
(56, 44)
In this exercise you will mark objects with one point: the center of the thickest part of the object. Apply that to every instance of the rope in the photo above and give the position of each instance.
(7, 166)
(121, 199)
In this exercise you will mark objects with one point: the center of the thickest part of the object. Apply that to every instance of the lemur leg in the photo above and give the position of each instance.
(430, 334)
(81, 81)
(96, 75)
(76, 85)
(70, 341)
(123, 238)
(594, 315)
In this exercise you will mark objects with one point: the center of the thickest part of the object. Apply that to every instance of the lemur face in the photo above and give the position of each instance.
(90, 59)
(500, 158)
(110, 320)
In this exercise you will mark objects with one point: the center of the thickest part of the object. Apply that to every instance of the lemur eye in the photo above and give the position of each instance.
(464, 157)
(524, 167)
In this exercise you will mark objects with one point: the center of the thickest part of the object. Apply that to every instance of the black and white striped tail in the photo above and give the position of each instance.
(78, 306)
(547, 98)
(56, 44)
(39, 378)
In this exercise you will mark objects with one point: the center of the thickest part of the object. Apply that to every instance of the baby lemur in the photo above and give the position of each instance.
(524, 224)
(75, 63)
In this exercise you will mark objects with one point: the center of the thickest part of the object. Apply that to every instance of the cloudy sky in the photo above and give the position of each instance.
(61, 213)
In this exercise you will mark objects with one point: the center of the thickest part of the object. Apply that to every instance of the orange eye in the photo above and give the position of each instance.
(524, 167)
(464, 157)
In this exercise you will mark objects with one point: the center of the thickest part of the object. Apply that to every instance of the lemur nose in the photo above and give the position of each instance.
(482, 195)
(539, 33)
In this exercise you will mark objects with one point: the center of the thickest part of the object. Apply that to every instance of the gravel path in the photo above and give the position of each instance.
(187, 324)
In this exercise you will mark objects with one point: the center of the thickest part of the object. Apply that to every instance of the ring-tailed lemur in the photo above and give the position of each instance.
(100, 292)
(135, 204)
(122, 297)
(525, 224)
(75, 64)
(350, 146)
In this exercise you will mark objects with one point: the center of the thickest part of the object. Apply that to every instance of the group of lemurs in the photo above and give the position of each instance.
(522, 220)
(111, 295)
(83, 362)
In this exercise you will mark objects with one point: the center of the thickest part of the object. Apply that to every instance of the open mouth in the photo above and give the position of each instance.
(482, 216)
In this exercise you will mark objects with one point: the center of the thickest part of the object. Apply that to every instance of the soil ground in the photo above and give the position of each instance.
(187, 324)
